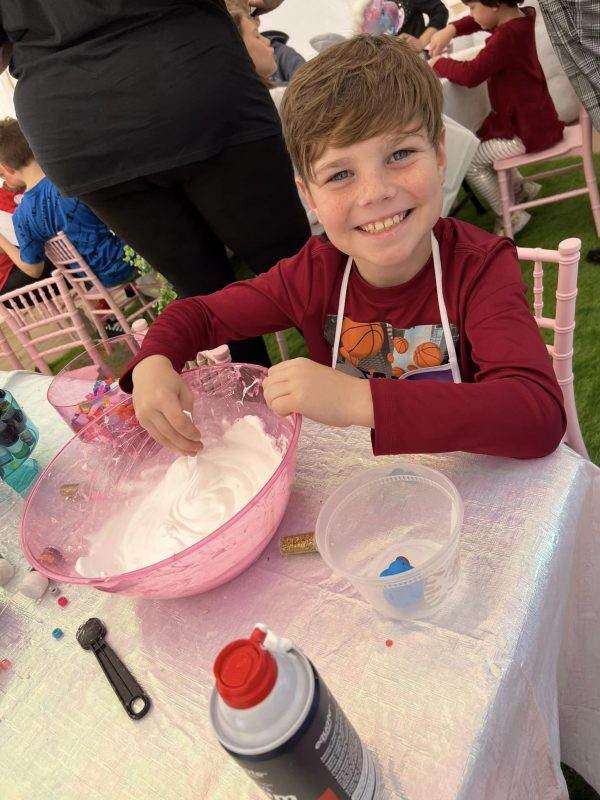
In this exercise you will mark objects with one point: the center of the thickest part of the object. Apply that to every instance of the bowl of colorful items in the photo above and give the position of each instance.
(89, 384)
(116, 511)
(393, 532)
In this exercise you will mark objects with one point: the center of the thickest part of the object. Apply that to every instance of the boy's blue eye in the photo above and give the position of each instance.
(400, 155)
(339, 176)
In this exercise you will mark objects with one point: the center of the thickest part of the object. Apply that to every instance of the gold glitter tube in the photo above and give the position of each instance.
(299, 544)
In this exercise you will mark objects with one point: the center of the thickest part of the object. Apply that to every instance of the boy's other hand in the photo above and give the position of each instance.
(440, 40)
(318, 392)
(160, 397)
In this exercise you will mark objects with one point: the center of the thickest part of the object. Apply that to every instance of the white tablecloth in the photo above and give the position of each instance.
(463, 705)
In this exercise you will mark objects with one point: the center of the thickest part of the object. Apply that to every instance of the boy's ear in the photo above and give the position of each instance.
(305, 192)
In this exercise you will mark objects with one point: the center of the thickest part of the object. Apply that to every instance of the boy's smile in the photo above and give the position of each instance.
(378, 201)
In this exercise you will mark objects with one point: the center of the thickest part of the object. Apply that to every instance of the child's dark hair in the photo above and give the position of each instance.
(496, 3)
(14, 149)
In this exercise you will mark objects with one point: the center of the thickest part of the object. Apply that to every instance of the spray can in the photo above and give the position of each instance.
(275, 716)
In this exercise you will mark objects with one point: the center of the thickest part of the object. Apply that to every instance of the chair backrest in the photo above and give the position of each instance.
(62, 253)
(41, 313)
(7, 354)
(562, 324)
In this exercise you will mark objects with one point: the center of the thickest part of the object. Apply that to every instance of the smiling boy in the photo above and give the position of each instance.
(418, 327)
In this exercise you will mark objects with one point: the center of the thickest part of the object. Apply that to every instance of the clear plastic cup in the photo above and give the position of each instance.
(385, 519)
(88, 384)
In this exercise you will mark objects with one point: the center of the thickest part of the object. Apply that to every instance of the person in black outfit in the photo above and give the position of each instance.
(151, 112)
(414, 30)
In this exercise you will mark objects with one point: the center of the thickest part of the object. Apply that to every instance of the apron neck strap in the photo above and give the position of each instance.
(340, 313)
(437, 268)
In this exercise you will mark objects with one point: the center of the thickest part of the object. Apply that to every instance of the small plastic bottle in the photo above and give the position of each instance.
(18, 439)
(220, 355)
(140, 329)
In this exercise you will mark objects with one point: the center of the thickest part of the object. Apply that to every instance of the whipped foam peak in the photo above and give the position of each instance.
(196, 496)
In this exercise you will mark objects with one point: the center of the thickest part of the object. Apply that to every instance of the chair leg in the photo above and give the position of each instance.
(503, 182)
(283, 348)
(573, 435)
(9, 353)
(592, 186)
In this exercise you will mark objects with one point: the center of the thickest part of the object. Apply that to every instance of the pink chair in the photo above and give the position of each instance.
(7, 353)
(576, 141)
(563, 324)
(98, 301)
(45, 305)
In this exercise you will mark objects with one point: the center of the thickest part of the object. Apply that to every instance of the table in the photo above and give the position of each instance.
(463, 705)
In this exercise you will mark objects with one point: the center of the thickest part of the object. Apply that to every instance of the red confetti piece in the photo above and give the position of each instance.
(62, 601)
(389, 642)
(5, 664)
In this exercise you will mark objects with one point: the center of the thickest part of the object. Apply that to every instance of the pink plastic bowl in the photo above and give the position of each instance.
(92, 476)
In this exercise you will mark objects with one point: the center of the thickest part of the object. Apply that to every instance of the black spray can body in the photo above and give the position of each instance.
(275, 716)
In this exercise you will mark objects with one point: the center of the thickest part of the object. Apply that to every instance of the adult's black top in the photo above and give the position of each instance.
(414, 22)
(109, 90)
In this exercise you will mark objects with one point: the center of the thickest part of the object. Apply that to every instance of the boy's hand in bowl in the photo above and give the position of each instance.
(160, 398)
(321, 393)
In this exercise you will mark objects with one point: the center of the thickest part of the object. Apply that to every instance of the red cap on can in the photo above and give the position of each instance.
(245, 671)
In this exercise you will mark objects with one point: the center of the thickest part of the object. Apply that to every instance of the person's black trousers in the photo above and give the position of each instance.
(180, 220)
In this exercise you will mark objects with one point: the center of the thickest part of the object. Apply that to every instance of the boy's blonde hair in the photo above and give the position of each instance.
(364, 87)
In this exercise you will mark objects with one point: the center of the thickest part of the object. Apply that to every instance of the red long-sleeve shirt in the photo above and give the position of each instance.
(509, 403)
(519, 96)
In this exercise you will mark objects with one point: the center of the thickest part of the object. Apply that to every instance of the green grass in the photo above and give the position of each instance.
(578, 788)
(549, 225)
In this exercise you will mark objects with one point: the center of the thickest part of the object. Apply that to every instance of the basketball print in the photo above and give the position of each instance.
(360, 340)
(397, 372)
(427, 354)
(400, 344)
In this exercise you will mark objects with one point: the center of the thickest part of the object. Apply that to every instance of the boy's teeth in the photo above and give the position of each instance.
(384, 224)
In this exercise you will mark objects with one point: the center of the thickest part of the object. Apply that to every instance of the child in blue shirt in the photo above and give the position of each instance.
(44, 212)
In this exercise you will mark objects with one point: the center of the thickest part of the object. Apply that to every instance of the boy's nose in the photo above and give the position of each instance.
(375, 189)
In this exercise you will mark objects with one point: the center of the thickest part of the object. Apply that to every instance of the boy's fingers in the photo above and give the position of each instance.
(172, 411)
(275, 390)
(282, 406)
(174, 440)
(187, 398)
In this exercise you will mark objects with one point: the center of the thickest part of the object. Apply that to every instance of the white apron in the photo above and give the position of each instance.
(449, 371)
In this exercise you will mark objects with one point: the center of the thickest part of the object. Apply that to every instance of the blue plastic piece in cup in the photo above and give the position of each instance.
(402, 596)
